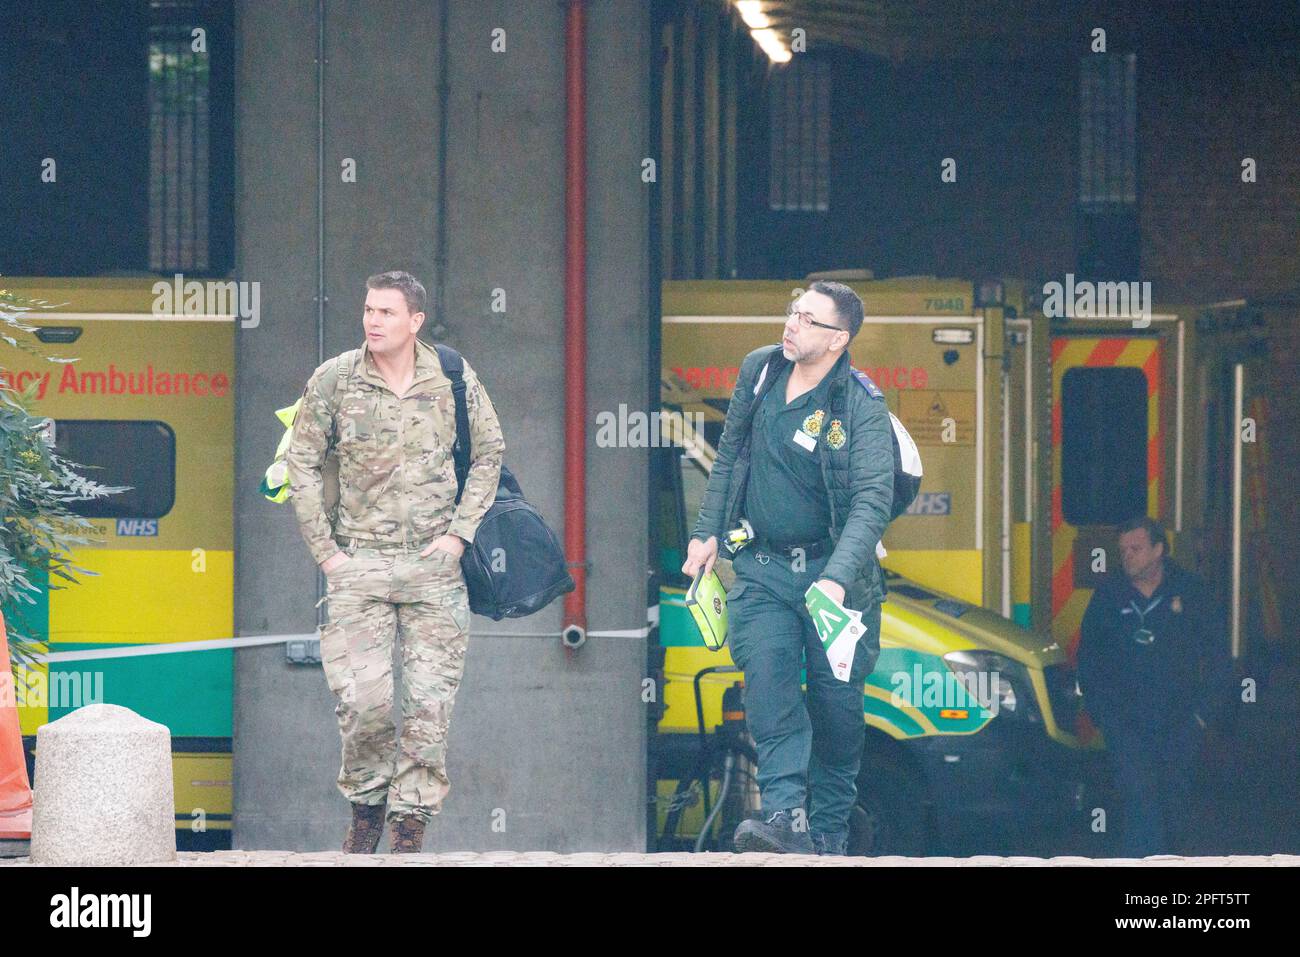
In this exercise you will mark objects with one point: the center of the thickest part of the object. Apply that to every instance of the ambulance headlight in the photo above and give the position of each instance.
(996, 682)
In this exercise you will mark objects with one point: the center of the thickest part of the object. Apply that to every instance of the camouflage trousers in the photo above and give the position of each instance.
(379, 595)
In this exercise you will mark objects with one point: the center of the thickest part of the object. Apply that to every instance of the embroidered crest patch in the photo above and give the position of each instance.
(835, 435)
(813, 424)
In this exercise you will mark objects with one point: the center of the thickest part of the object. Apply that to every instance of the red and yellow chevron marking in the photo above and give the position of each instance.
(1068, 602)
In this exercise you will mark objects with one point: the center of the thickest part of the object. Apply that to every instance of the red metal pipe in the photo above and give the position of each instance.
(575, 311)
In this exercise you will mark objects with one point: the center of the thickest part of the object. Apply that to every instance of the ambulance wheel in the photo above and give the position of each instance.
(889, 817)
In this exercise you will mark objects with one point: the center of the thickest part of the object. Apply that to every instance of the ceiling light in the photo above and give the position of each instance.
(771, 45)
(751, 11)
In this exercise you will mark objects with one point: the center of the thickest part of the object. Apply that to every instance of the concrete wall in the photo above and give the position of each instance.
(556, 744)
(1213, 87)
(1206, 235)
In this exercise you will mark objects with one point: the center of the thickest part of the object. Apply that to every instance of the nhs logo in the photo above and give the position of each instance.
(931, 503)
(137, 526)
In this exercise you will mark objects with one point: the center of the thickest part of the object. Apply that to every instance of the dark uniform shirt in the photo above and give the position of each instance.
(1147, 662)
(786, 499)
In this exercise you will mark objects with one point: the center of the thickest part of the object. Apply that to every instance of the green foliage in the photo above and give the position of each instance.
(38, 528)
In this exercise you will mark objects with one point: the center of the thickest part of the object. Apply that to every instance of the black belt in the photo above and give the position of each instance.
(811, 551)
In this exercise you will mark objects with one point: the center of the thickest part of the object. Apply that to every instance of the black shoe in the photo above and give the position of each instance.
(833, 844)
(776, 835)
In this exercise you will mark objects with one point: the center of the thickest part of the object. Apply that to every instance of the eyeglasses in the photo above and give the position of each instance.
(806, 319)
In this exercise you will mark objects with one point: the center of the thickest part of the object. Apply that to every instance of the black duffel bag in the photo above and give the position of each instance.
(515, 566)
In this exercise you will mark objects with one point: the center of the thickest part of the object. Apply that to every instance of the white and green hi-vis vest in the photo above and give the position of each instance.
(275, 483)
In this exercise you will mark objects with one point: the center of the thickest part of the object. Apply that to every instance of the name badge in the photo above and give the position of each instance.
(804, 439)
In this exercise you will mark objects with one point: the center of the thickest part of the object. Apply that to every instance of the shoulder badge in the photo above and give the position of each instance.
(835, 435)
(864, 380)
(813, 424)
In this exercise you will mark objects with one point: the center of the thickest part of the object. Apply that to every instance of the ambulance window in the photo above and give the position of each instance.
(139, 454)
(1104, 445)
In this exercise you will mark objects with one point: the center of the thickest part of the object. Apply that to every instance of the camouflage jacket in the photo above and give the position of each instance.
(397, 477)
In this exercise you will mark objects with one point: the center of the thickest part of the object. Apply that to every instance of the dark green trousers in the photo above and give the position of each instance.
(809, 743)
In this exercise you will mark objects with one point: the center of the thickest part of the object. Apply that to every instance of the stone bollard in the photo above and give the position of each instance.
(103, 790)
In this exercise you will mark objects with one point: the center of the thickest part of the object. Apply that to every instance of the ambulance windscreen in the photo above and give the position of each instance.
(141, 454)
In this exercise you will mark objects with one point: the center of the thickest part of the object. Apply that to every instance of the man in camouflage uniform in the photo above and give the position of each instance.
(392, 556)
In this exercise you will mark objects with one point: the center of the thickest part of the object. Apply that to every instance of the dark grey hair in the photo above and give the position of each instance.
(848, 306)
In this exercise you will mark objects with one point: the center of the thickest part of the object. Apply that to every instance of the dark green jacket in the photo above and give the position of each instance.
(859, 477)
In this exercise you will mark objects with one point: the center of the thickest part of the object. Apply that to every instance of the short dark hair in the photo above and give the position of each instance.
(410, 287)
(848, 305)
(1155, 531)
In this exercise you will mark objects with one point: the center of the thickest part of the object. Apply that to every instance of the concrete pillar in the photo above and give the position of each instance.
(104, 790)
(546, 751)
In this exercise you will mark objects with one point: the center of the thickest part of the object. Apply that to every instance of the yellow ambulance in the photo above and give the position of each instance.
(148, 404)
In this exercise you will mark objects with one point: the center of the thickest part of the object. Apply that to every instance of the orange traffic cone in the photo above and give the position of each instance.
(15, 789)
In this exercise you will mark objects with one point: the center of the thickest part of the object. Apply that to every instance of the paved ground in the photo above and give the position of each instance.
(1243, 813)
(548, 859)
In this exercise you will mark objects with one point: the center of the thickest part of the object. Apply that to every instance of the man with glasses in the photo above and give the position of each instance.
(1154, 671)
(806, 457)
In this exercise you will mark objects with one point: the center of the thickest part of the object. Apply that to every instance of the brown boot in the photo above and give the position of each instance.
(366, 828)
(406, 835)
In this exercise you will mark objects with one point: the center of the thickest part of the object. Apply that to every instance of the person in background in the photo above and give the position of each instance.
(1155, 672)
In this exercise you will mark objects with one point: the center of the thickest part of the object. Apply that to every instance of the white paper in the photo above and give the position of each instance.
(838, 628)
(840, 653)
